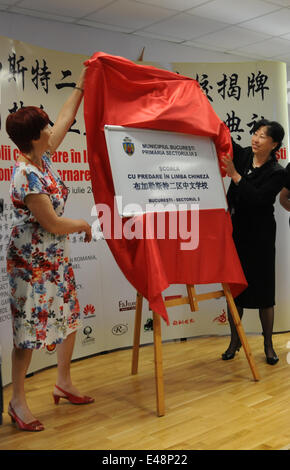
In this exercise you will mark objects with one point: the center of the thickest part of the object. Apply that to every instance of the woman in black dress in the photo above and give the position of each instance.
(257, 178)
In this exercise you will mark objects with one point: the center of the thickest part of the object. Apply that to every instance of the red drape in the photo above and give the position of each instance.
(119, 92)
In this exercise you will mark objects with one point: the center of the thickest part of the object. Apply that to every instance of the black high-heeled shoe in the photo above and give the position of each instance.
(272, 360)
(231, 352)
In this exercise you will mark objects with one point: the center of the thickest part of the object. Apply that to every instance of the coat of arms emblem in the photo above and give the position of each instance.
(128, 146)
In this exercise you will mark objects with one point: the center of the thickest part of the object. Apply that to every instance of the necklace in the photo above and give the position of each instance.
(35, 164)
(259, 164)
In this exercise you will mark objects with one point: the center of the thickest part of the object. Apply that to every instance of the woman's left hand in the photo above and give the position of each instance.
(88, 232)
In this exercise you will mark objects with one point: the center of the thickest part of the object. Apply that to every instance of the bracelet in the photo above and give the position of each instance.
(78, 88)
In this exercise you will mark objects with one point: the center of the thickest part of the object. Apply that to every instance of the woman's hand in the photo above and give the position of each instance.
(87, 229)
(229, 167)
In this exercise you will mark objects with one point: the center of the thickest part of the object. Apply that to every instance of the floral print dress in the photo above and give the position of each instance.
(43, 299)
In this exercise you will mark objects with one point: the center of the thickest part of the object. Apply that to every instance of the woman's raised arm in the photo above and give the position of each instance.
(67, 114)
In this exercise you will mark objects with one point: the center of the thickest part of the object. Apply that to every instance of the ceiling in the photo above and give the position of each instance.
(257, 29)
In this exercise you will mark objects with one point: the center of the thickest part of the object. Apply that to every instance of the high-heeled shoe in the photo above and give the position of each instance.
(272, 360)
(231, 352)
(33, 426)
(72, 398)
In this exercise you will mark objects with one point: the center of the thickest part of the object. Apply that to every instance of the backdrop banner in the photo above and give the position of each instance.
(30, 75)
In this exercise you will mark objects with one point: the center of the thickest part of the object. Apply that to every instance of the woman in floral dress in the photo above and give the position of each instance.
(44, 304)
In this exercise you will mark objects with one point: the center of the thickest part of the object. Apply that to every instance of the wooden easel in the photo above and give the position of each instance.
(192, 299)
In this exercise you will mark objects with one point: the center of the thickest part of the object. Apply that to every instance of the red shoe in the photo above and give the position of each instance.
(34, 426)
(72, 398)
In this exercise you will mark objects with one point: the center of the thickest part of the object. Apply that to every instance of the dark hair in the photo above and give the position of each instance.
(274, 130)
(25, 125)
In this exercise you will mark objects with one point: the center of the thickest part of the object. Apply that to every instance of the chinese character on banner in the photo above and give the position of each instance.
(256, 84)
(204, 84)
(41, 74)
(15, 68)
(65, 74)
(253, 122)
(233, 123)
(233, 90)
(16, 107)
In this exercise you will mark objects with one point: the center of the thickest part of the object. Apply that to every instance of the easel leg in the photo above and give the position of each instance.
(240, 330)
(192, 298)
(137, 330)
(158, 364)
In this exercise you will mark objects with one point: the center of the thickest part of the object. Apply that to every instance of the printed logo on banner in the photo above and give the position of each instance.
(50, 348)
(89, 339)
(125, 305)
(221, 319)
(148, 326)
(281, 154)
(119, 329)
(89, 311)
(187, 321)
(128, 146)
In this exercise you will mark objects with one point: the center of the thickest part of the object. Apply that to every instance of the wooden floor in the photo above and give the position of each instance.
(210, 404)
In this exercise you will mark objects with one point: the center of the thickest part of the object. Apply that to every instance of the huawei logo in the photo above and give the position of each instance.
(89, 310)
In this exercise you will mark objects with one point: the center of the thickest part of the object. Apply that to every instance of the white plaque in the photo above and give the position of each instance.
(157, 170)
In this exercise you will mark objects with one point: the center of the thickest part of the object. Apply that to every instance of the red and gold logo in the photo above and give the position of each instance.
(89, 309)
(221, 319)
(128, 146)
(51, 348)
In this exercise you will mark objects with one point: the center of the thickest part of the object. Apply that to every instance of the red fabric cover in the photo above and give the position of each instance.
(119, 92)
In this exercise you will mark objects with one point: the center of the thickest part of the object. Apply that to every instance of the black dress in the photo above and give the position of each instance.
(251, 204)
